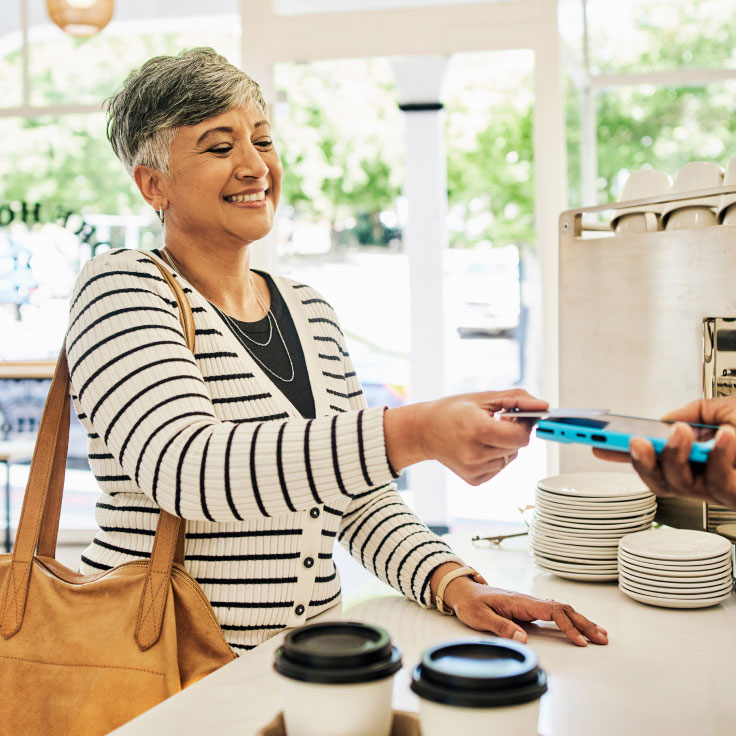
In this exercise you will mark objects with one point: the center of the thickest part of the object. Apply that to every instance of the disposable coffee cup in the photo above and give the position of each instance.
(337, 679)
(483, 686)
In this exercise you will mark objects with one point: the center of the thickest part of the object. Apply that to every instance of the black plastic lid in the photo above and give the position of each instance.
(337, 653)
(479, 673)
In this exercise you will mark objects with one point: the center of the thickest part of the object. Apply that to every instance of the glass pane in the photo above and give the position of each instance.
(656, 35)
(11, 75)
(662, 128)
(294, 7)
(64, 195)
(341, 139)
(68, 70)
(492, 289)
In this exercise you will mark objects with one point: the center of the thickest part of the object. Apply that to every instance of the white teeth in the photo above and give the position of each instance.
(255, 197)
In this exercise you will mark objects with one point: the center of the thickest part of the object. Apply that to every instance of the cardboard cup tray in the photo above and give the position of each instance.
(405, 724)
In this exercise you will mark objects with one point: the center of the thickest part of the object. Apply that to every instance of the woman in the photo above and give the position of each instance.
(261, 440)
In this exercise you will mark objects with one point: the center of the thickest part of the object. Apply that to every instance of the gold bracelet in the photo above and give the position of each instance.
(458, 572)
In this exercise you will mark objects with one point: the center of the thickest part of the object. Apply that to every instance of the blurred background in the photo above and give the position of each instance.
(509, 112)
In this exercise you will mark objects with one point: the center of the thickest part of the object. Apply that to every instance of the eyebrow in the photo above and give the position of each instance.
(227, 129)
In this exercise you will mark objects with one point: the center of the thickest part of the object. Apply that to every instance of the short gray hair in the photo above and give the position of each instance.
(169, 92)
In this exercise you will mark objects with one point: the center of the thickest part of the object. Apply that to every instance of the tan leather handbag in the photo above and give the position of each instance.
(82, 654)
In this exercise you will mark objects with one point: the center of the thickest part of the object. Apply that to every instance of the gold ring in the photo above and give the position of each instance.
(505, 460)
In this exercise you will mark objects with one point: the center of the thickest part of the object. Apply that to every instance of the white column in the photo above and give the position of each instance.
(419, 80)
(257, 29)
(550, 163)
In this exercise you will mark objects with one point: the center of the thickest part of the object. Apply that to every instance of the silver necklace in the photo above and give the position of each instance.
(241, 333)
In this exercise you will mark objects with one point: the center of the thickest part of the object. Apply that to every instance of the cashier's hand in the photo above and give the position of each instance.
(671, 474)
(461, 432)
(491, 609)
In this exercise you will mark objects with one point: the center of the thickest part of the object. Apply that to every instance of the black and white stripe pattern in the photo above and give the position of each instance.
(208, 437)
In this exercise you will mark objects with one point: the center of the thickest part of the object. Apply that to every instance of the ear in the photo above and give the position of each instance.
(151, 184)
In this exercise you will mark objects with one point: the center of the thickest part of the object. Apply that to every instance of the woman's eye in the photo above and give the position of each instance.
(220, 149)
(265, 143)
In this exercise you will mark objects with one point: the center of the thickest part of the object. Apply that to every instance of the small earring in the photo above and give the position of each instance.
(161, 214)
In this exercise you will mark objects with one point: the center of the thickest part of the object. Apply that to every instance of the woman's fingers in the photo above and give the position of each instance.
(503, 609)
(574, 625)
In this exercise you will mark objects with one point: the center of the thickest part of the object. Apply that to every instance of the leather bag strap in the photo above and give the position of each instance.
(39, 519)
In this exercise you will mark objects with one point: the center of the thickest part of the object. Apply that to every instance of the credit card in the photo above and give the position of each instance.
(550, 413)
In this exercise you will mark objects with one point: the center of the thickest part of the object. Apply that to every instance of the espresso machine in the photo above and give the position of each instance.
(647, 323)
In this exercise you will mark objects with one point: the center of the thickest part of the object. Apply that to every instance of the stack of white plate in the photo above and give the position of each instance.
(675, 568)
(579, 518)
(719, 515)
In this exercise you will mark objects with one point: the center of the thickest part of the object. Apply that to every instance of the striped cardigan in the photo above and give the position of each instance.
(208, 437)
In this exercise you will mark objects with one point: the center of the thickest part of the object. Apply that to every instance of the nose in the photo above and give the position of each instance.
(250, 164)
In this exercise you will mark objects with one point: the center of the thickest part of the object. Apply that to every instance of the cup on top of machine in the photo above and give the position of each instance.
(726, 213)
(697, 212)
(644, 217)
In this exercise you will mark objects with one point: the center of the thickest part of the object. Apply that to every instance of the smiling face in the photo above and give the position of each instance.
(224, 178)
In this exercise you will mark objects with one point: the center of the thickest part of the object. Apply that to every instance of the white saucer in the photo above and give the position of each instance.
(560, 537)
(599, 520)
(573, 551)
(607, 502)
(674, 564)
(592, 532)
(596, 485)
(668, 592)
(675, 544)
(715, 574)
(592, 577)
(554, 564)
(578, 512)
(672, 602)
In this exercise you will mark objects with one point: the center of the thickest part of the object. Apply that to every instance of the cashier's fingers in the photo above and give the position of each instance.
(615, 456)
(674, 460)
(720, 473)
(644, 460)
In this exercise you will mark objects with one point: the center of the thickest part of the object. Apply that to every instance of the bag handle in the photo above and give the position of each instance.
(39, 519)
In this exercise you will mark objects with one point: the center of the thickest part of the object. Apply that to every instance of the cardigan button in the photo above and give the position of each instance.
(299, 610)
(314, 513)
(308, 562)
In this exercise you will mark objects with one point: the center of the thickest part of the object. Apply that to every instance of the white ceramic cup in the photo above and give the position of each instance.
(687, 218)
(436, 719)
(726, 212)
(361, 709)
(641, 218)
(637, 222)
(697, 212)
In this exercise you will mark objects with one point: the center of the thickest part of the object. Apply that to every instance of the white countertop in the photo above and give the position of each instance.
(665, 671)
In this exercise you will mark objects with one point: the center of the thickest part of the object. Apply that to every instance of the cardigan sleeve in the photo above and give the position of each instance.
(385, 536)
(137, 385)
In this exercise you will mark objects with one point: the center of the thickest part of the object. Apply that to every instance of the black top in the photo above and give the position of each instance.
(273, 355)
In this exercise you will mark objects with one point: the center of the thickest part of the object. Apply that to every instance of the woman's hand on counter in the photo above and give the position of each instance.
(491, 609)
(460, 432)
(671, 473)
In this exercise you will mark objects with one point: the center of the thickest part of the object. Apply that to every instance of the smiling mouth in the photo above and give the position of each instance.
(253, 197)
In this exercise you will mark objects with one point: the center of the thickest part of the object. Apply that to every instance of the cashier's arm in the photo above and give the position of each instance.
(485, 608)
(671, 474)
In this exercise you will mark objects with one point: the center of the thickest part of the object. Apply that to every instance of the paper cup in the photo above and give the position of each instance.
(337, 679)
(478, 687)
